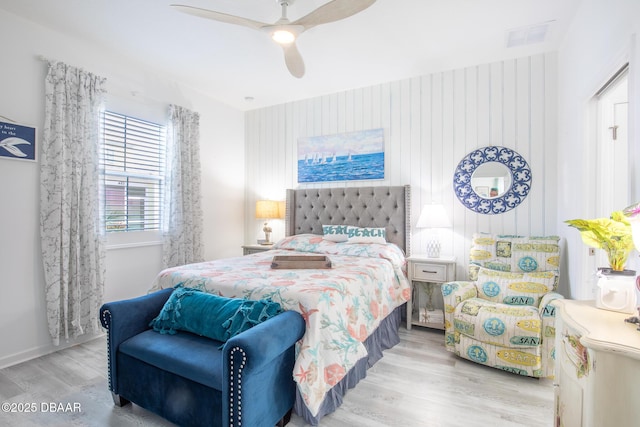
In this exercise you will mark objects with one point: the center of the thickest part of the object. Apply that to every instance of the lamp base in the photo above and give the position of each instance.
(433, 248)
(267, 234)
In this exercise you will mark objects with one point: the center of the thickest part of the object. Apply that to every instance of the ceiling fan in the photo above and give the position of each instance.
(283, 31)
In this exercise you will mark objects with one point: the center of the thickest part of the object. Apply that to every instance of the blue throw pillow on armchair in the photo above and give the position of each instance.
(212, 316)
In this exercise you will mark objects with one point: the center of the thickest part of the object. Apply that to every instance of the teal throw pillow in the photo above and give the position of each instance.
(212, 316)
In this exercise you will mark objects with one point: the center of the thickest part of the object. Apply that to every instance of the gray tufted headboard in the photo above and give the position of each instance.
(308, 209)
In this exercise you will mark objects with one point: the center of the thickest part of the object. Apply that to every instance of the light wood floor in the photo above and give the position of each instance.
(416, 383)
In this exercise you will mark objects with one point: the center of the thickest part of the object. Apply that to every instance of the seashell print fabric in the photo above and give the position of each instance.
(341, 306)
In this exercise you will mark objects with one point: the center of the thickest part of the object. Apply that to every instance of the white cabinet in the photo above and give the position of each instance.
(597, 378)
(432, 272)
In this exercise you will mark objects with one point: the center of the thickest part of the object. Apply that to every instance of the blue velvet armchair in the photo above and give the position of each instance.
(193, 380)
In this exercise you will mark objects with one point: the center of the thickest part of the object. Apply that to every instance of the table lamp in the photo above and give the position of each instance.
(433, 217)
(268, 209)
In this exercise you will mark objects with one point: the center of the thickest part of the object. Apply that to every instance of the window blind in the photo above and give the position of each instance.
(132, 159)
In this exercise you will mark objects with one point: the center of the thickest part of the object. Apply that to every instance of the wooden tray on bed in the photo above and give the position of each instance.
(300, 261)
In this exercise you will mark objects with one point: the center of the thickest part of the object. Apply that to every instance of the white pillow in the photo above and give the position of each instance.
(367, 235)
(335, 233)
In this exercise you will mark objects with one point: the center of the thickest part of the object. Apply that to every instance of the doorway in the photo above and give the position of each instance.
(612, 189)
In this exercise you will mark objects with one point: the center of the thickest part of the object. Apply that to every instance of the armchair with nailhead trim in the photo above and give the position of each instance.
(195, 381)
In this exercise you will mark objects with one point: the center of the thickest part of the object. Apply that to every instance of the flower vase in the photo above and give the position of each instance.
(616, 290)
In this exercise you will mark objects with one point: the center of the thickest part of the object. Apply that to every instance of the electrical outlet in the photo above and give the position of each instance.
(592, 251)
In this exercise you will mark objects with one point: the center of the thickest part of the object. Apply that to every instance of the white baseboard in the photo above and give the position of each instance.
(33, 353)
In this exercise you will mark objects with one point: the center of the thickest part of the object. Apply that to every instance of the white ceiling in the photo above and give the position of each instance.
(391, 40)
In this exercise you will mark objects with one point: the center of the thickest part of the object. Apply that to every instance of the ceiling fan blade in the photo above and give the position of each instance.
(217, 16)
(333, 11)
(293, 59)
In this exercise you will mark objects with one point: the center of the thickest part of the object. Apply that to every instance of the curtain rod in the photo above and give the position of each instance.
(123, 86)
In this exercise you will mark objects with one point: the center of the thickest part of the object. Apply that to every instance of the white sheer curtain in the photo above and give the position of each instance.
(182, 215)
(73, 249)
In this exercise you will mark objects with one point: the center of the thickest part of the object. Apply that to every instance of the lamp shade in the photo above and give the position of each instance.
(269, 209)
(433, 216)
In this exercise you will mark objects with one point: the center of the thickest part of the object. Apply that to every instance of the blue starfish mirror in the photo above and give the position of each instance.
(492, 180)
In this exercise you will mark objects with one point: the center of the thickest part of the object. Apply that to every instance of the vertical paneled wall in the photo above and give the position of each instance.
(430, 123)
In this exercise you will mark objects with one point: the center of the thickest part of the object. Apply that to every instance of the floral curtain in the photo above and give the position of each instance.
(182, 215)
(73, 249)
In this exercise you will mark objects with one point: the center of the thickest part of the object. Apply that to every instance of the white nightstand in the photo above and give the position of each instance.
(432, 272)
(253, 249)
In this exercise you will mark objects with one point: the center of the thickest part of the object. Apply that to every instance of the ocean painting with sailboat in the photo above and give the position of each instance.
(341, 157)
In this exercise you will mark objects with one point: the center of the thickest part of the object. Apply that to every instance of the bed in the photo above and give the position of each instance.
(352, 310)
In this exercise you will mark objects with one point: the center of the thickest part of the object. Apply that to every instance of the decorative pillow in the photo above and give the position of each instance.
(302, 242)
(251, 313)
(515, 288)
(209, 315)
(513, 253)
(335, 233)
(367, 235)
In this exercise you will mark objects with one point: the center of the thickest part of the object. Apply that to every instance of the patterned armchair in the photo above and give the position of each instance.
(502, 317)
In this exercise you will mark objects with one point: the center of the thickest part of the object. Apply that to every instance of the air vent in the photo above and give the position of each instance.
(530, 34)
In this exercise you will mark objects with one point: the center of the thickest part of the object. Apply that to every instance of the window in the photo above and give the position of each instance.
(132, 159)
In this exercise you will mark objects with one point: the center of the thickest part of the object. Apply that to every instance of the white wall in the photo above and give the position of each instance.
(130, 268)
(603, 36)
(430, 124)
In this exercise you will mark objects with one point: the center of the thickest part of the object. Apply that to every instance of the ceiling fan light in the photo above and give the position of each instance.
(283, 36)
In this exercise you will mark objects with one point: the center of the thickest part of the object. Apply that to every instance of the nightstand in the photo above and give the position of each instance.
(430, 274)
(254, 249)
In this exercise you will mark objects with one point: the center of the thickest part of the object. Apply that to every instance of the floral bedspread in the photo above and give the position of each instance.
(341, 306)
